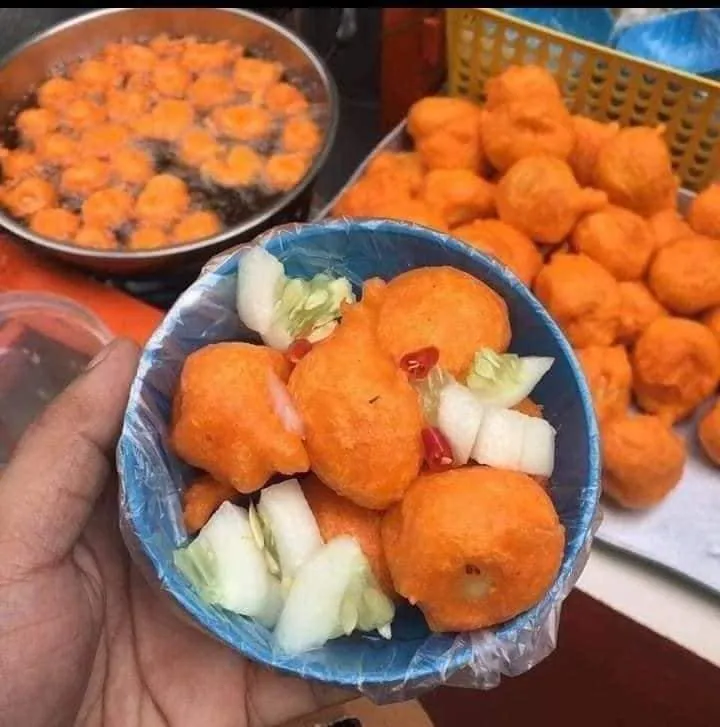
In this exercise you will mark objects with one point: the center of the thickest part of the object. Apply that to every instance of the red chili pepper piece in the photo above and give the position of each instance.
(298, 350)
(438, 452)
(418, 364)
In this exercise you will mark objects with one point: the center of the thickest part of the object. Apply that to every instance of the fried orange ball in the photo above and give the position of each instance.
(243, 123)
(685, 275)
(712, 320)
(473, 547)
(199, 57)
(284, 98)
(618, 239)
(104, 140)
(85, 177)
(643, 460)
(35, 123)
(459, 195)
(126, 106)
(96, 237)
(18, 163)
(638, 309)
(362, 418)
(456, 146)
(83, 113)
(240, 168)
(226, 419)
(301, 134)
(148, 237)
(526, 128)
(338, 516)
(164, 199)
(590, 135)
(582, 297)
(407, 209)
(709, 433)
(96, 76)
(132, 166)
(676, 365)
(57, 149)
(609, 377)
(196, 226)
(635, 170)
(400, 170)
(107, 208)
(167, 121)
(519, 83)
(540, 197)
(434, 113)
(56, 93)
(55, 222)
(132, 58)
(704, 214)
(29, 196)
(197, 147)
(510, 246)
(254, 74)
(445, 308)
(667, 226)
(284, 171)
(373, 293)
(171, 79)
(210, 90)
(200, 500)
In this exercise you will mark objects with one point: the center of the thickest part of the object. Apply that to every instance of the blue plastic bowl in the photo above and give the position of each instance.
(151, 477)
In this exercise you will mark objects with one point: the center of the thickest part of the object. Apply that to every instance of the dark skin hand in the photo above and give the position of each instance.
(84, 640)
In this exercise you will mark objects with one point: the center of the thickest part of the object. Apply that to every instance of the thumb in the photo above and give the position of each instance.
(49, 488)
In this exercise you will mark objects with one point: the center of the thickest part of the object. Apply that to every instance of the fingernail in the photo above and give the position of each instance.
(101, 355)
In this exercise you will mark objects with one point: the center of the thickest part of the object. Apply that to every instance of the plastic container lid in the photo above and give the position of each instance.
(45, 343)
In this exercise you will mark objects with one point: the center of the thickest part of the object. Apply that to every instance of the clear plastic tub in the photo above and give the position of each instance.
(45, 343)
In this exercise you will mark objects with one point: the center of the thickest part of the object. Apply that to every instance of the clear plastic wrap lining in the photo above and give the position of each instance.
(414, 660)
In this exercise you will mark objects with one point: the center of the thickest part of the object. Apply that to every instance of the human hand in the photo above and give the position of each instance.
(84, 640)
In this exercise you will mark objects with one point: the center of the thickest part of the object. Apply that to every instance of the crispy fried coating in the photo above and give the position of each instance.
(618, 239)
(704, 214)
(445, 308)
(582, 297)
(473, 547)
(676, 365)
(225, 419)
(540, 197)
(685, 275)
(712, 320)
(638, 309)
(459, 195)
(709, 432)
(401, 170)
(362, 417)
(200, 500)
(456, 146)
(338, 516)
(643, 459)
(667, 226)
(519, 83)
(55, 222)
(590, 135)
(609, 377)
(635, 170)
(407, 209)
(510, 246)
(524, 128)
(434, 113)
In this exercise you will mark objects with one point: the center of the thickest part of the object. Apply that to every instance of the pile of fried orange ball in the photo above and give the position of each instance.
(585, 213)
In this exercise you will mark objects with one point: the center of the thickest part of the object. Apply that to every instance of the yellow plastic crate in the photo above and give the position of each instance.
(596, 81)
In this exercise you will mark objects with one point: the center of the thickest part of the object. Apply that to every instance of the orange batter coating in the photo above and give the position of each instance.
(635, 170)
(609, 377)
(170, 78)
(284, 171)
(83, 113)
(712, 320)
(473, 547)
(148, 237)
(618, 239)
(254, 74)
(284, 98)
(685, 275)
(200, 500)
(643, 460)
(409, 210)
(638, 309)
(126, 106)
(198, 56)
(196, 226)
(132, 166)
(33, 124)
(18, 163)
(131, 58)
(667, 226)
(224, 418)
(582, 297)
(57, 149)
(104, 140)
(55, 222)
(456, 146)
(163, 200)
(96, 237)
(435, 113)
(401, 170)
(56, 93)
(85, 177)
(459, 195)
(519, 83)
(241, 122)
(445, 308)
(709, 433)
(301, 134)
(197, 147)
(240, 168)
(362, 417)
(107, 208)
(210, 90)
(540, 197)
(704, 214)
(96, 76)
(510, 246)
(167, 121)
(338, 516)
(524, 128)
(29, 196)
(676, 365)
(590, 135)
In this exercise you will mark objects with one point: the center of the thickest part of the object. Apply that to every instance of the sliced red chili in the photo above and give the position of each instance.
(298, 350)
(418, 364)
(437, 449)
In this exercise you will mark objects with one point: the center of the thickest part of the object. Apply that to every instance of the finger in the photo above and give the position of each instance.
(60, 467)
